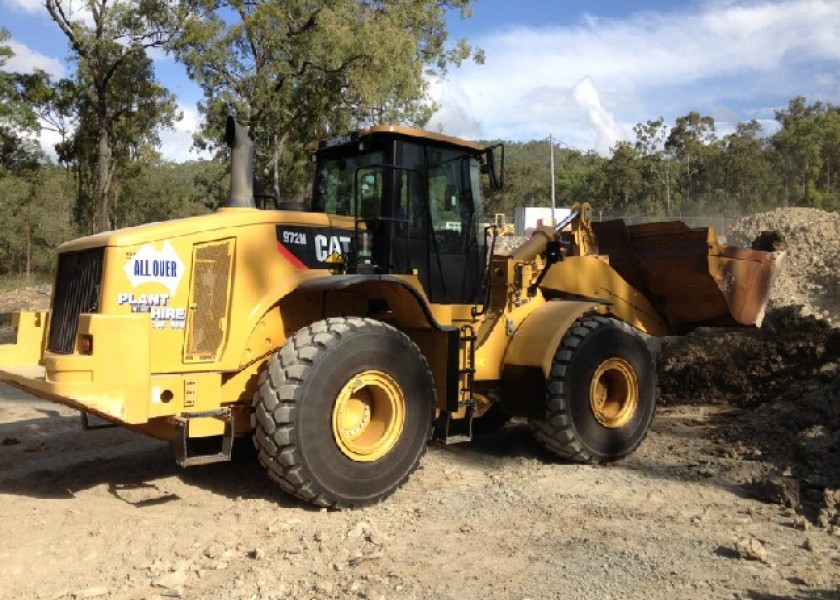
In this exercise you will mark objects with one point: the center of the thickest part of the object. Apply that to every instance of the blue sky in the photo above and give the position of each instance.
(584, 71)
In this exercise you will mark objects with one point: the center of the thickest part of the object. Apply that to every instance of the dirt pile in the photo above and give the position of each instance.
(783, 379)
(810, 277)
(750, 366)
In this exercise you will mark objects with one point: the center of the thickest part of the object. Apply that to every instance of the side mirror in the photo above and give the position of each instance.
(496, 172)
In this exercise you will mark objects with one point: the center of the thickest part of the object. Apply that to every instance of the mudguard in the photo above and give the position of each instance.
(535, 341)
(528, 358)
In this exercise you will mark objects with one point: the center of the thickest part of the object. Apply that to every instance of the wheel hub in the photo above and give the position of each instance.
(368, 416)
(614, 393)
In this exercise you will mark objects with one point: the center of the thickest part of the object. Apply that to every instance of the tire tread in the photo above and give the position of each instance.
(557, 433)
(276, 401)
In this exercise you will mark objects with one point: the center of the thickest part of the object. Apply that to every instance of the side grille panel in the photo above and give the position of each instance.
(76, 291)
(209, 294)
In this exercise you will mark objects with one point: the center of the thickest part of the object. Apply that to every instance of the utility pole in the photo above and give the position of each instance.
(551, 146)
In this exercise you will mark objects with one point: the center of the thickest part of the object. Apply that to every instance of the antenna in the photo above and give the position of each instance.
(551, 146)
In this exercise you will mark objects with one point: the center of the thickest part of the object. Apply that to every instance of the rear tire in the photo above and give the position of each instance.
(601, 394)
(344, 412)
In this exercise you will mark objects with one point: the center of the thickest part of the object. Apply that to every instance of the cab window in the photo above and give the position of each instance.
(337, 179)
(451, 200)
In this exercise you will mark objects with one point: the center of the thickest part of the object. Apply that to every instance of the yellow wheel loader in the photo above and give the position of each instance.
(501, 224)
(345, 333)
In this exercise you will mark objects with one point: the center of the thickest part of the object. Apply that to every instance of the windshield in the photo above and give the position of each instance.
(337, 178)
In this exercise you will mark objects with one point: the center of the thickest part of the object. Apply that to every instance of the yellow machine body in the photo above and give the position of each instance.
(187, 312)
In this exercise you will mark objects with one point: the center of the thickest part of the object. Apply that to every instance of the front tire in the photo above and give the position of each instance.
(601, 394)
(344, 412)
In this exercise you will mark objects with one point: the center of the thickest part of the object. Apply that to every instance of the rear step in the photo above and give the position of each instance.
(185, 458)
(454, 431)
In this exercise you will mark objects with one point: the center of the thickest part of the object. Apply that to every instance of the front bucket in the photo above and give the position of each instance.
(689, 277)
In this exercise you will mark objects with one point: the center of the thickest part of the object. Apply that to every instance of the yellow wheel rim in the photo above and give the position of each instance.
(368, 416)
(614, 393)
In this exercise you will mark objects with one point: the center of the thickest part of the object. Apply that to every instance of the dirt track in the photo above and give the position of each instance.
(735, 493)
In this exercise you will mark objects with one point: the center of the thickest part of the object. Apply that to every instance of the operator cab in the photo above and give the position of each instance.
(417, 204)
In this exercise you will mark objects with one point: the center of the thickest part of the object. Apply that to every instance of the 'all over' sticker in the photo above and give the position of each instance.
(150, 265)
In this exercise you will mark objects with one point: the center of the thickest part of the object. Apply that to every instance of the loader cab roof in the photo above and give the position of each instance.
(418, 135)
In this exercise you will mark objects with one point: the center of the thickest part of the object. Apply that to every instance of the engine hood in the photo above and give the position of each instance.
(223, 218)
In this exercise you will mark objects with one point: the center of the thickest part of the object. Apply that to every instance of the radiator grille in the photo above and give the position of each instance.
(76, 292)
(208, 299)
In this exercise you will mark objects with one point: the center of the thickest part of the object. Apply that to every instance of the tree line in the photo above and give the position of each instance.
(687, 168)
(303, 69)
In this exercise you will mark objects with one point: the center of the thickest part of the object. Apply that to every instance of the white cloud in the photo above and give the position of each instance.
(27, 6)
(26, 60)
(727, 56)
(454, 115)
(176, 143)
(48, 138)
(607, 132)
(76, 10)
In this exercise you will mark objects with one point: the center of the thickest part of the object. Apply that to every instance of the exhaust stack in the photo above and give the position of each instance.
(241, 165)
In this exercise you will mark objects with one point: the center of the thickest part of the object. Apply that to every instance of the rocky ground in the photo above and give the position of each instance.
(36, 297)
(735, 493)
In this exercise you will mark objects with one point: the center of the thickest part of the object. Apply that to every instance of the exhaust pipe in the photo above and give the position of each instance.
(241, 165)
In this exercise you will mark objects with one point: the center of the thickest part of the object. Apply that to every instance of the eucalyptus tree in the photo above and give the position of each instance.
(690, 142)
(623, 179)
(298, 69)
(651, 137)
(744, 169)
(115, 90)
(18, 121)
(806, 150)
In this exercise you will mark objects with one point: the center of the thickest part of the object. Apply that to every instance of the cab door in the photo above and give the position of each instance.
(456, 240)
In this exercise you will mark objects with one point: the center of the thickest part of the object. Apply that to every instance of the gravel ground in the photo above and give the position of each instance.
(108, 514)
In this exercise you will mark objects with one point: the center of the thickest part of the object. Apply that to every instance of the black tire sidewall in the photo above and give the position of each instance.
(610, 341)
(368, 348)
